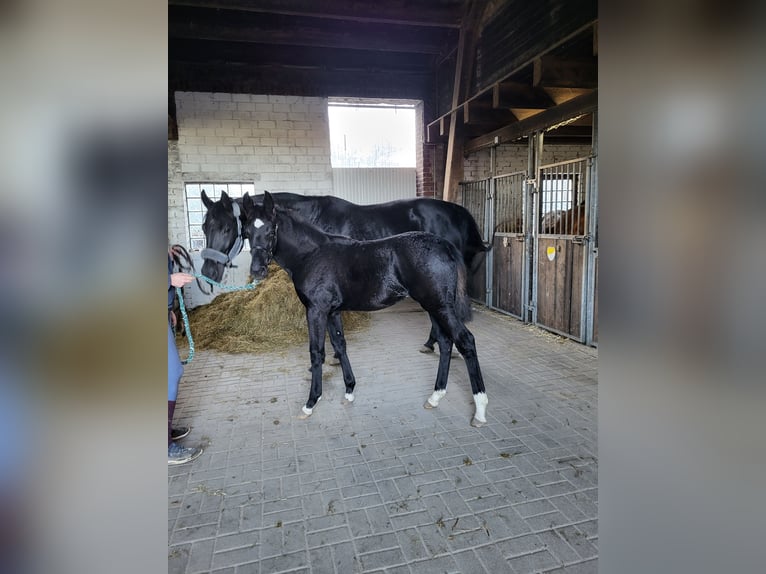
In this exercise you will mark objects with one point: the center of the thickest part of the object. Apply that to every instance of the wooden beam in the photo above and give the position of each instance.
(182, 50)
(413, 13)
(581, 105)
(553, 72)
(444, 126)
(232, 26)
(281, 80)
(466, 55)
(595, 39)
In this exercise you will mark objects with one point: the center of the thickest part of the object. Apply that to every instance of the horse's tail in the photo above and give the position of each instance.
(475, 249)
(462, 302)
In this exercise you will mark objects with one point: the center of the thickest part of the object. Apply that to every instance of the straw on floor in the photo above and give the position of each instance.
(265, 319)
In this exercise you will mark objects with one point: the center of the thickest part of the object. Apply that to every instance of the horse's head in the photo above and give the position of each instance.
(223, 235)
(261, 230)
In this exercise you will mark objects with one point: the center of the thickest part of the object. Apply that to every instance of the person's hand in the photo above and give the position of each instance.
(180, 279)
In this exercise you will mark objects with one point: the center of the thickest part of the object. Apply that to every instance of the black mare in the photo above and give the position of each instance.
(338, 216)
(333, 273)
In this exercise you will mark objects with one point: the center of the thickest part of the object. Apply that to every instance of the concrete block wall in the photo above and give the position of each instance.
(278, 143)
(177, 231)
(513, 157)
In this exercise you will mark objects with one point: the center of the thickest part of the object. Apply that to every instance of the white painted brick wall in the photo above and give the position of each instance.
(177, 231)
(280, 143)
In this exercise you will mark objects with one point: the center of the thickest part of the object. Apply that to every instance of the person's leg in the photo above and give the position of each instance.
(177, 454)
(175, 370)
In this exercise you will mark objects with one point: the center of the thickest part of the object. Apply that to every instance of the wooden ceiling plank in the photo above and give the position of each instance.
(517, 95)
(553, 72)
(477, 112)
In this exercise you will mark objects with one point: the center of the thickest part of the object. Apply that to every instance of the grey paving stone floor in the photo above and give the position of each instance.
(384, 485)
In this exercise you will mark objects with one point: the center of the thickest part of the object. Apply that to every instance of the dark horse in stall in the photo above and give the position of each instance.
(338, 216)
(334, 273)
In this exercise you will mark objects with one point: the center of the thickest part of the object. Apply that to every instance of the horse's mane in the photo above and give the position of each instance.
(315, 232)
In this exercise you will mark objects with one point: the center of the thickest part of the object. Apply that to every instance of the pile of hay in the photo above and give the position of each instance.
(267, 318)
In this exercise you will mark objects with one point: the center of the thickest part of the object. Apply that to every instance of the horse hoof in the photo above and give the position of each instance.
(347, 399)
(306, 412)
(428, 405)
(426, 350)
(477, 423)
(334, 362)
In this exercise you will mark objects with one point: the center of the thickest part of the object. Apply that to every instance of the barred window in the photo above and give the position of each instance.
(196, 210)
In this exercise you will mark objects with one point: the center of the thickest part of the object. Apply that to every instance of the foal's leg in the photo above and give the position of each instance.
(335, 329)
(445, 356)
(317, 321)
(465, 343)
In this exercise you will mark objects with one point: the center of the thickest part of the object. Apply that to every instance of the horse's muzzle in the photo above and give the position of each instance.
(258, 274)
(213, 270)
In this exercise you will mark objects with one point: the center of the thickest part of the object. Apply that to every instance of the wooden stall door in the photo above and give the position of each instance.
(507, 274)
(559, 285)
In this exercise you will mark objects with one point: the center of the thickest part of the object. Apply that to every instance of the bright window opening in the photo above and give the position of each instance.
(372, 135)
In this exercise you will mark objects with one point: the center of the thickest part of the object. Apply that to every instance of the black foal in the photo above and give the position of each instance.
(333, 273)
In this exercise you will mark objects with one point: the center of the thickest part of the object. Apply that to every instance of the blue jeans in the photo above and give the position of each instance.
(175, 368)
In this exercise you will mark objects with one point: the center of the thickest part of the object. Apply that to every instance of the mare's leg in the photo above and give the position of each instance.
(336, 352)
(428, 346)
(445, 356)
(335, 329)
(465, 343)
(317, 322)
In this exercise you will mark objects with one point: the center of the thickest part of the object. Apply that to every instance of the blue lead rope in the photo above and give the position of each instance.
(179, 294)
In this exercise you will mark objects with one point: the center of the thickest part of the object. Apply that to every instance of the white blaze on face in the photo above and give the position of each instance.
(258, 223)
(481, 401)
(436, 396)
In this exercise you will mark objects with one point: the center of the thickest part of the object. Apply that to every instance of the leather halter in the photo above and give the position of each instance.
(227, 258)
(272, 244)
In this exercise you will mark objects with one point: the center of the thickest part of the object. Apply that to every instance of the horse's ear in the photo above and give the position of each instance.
(206, 200)
(225, 200)
(268, 204)
(247, 204)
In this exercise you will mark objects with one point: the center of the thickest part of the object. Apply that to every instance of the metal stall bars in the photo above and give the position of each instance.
(473, 196)
(561, 257)
(591, 303)
(508, 288)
